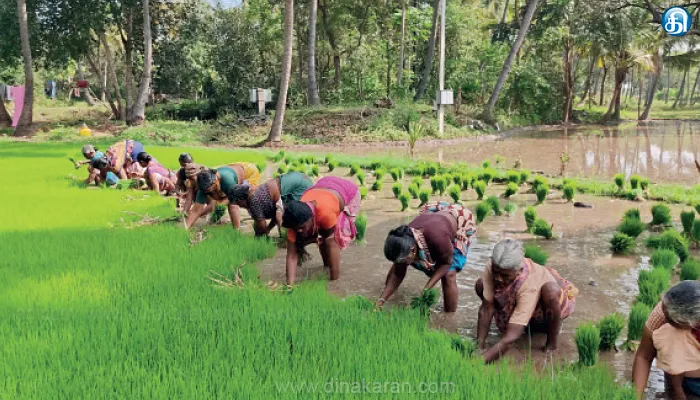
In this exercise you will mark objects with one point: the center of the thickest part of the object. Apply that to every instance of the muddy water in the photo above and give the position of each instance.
(664, 151)
(580, 253)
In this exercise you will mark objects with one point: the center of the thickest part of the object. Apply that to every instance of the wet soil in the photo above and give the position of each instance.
(580, 253)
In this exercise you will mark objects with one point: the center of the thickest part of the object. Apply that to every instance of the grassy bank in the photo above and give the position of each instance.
(93, 311)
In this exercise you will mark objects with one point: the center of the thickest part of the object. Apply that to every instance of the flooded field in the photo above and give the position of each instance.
(664, 151)
(580, 253)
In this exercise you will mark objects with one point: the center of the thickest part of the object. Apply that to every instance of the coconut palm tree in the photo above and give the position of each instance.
(276, 130)
(25, 119)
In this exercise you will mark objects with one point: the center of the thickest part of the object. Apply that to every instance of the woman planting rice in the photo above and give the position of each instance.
(158, 178)
(326, 215)
(672, 336)
(91, 155)
(266, 202)
(518, 293)
(187, 180)
(122, 159)
(435, 242)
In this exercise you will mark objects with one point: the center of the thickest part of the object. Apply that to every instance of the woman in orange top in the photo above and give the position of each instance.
(325, 215)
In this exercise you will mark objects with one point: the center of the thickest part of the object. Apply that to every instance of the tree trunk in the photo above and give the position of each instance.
(103, 85)
(314, 99)
(695, 86)
(505, 13)
(402, 53)
(589, 80)
(24, 125)
(602, 85)
(332, 42)
(300, 51)
(651, 92)
(630, 91)
(5, 118)
(129, 61)
(620, 76)
(522, 32)
(85, 93)
(276, 131)
(112, 76)
(682, 89)
(429, 55)
(137, 113)
(568, 81)
(668, 85)
(689, 91)
(388, 69)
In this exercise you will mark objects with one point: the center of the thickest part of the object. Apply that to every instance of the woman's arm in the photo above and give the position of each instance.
(292, 261)
(439, 273)
(192, 217)
(486, 312)
(505, 344)
(189, 197)
(646, 352)
(674, 387)
(393, 280)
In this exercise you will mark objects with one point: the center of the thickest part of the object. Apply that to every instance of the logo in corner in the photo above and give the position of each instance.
(676, 21)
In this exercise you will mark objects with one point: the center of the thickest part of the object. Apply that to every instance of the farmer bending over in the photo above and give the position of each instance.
(518, 293)
(158, 178)
(325, 215)
(212, 185)
(672, 336)
(266, 202)
(91, 154)
(435, 242)
(187, 183)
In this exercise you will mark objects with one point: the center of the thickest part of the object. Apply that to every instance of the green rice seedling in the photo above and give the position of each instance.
(361, 227)
(278, 157)
(542, 228)
(621, 243)
(536, 254)
(332, 165)
(569, 192)
(513, 176)
(218, 213)
(670, 239)
(315, 170)
(486, 164)
(464, 346)
(424, 196)
(634, 181)
(498, 159)
(355, 169)
(441, 185)
(687, 219)
(635, 323)
(542, 192)
(644, 183)
(282, 169)
(455, 193)
(310, 159)
(395, 174)
(660, 215)
(697, 207)
(480, 188)
(364, 192)
(633, 213)
(651, 285)
(289, 159)
(434, 183)
(482, 210)
(425, 301)
(695, 232)
(262, 166)
(524, 176)
(690, 270)
(511, 190)
(328, 159)
(487, 175)
(275, 175)
(610, 328)
(360, 303)
(495, 204)
(361, 177)
(404, 198)
(530, 217)
(375, 165)
(413, 190)
(510, 209)
(396, 188)
(538, 181)
(457, 179)
(466, 181)
(379, 174)
(418, 181)
(448, 179)
(664, 258)
(619, 180)
(377, 186)
(401, 172)
(568, 181)
(587, 338)
(631, 227)
(431, 169)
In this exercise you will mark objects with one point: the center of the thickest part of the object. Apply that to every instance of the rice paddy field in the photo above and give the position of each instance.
(94, 307)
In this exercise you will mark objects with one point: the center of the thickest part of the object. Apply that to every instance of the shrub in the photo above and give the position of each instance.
(542, 228)
(631, 227)
(687, 219)
(690, 270)
(536, 254)
(587, 338)
(495, 204)
(487, 175)
(396, 188)
(664, 258)
(538, 181)
(619, 181)
(364, 192)
(418, 181)
(633, 213)
(610, 328)
(315, 171)
(637, 318)
(482, 210)
(395, 174)
(511, 208)
(569, 192)
(361, 226)
(377, 186)
(282, 169)
(404, 198)
(621, 243)
(511, 190)
(332, 165)
(644, 184)
(651, 285)
(542, 191)
(530, 218)
(361, 177)
(427, 299)
(670, 239)
(661, 215)
(524, 176)
(455, 192)
(355, 169)
(424, 196)
(413, 190)
(442, 184)
(480, 188)
(634, 181)
(513, 176)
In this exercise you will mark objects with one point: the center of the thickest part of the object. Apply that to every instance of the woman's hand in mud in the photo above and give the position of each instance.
(379, 305)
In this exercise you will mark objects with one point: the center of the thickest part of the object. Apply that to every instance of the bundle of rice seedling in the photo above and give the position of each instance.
(360, 302)
(569, 192)
(427, 299)
(690, 270)
(482, 210)
(480, 188)
(377, 186)
(413, 190)
(633, 213)
(434, 183)
(455, 193)
(261, 166)
(542, 191)
(510, 209)
(355, 169)
(431, 169)
(634, 181)
(495, 204)
(511, 190)
(538, 181)
(524, 176)
(457, 179)
(530, 217)
(404, 198)
(695, 232)
(361, 177)
(278, 157)
(621, 243)
(687, 219)
(424, 196)
(486, 164)
(670, 239)
(395, 174)
(610, 328)
(644, 183)
(631, 227)
(442, 184)
(536, 254)
(218, 213)
(661, 214)
(315, 170)
(619, 180)
(282, 169)
(637, 318)
(513, 176)
(364, 192)
(487, 175)
(396, 188)
(587, 338)
(361, 227)
(542, 228)
(465, 346)
(664, 258)
(332, 165)
(651, 285)
(418, 181)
